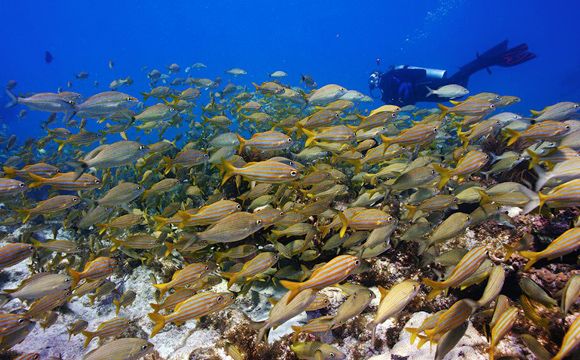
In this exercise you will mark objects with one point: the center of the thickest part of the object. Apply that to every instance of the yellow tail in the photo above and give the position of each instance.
(90, 336)
(116, 244)
(9, 171)
(310, 137)
(242, 142)
(156, 307)
(513, 135)
(344, 227)
(229, 170)
(60, 143)
(534, 158)
(543, 198)
(102, 228)
(414, 332)
(76, 277)
(294, 287)
(161, 221)
(117, 306)
(38, 180)
(162, 289)
(533, 257)
(444, 174)
(444, 111)
(387, 141)
(411, 211)
(158, 321)
(168, 164)
(169, 248)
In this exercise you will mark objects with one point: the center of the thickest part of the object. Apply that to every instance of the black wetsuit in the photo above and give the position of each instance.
(406, 85)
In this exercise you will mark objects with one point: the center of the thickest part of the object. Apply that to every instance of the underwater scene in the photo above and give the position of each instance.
(263, 180)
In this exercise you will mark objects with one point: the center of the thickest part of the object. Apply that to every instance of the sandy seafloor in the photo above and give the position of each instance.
(206, 339)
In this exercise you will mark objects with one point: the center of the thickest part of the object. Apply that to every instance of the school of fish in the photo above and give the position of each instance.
(294, 187)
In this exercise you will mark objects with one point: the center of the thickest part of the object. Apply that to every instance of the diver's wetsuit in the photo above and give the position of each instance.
(406, 85)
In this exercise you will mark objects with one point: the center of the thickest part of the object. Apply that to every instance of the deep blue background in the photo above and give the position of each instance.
(334, 41)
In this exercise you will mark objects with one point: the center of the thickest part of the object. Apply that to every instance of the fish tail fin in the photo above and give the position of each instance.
(411, 211)
(491, 352)
(422, 341)
(158, 321)
(25, 213)
(79, 166)
(429, 91)
(444, 111)
(542, 200)
(116, 243)
(38, 180)
(310, 137)
(9, 171)
(535, 112)
(229, 170)
(168, 164)
(463, 136)
(117, 304)
(76, 277)
(294, 287)
(156, 307)
(344, 222)
(60, 143)
(145, 96)
(263, 333)
(387, 142)
(13, 99)
(162, 289)
(242, 143)
(90, 335)
(534, 158)
(160, 221)
(513, 136)
(434, 293)
(413, 332)
(533, 257)
(436, 285)
(170, 247)
(444, 174)
(233, 279)
(102, 228)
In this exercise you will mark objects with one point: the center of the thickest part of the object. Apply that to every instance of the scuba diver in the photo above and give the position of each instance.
(406, 85)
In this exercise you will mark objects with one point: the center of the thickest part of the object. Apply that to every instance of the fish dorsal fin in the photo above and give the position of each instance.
(383, 292)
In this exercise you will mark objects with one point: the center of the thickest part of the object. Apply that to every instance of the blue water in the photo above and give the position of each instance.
(334, 41)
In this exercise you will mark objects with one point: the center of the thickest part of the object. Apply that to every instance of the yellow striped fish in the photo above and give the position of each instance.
(193, 308)
(472, 162)
(206, 215)
(234, 227)
(501, 328)
(566, 243)
(329, 274)
(266, 141)
(182, 277)
(10, 323)
(571, 340)
(97, 269)
(338, 133)
(367, 219)
(464, 269)
(545, 130)
(106, 329)
(417, 135)
(257, 265)
(13, 253)
(271, 172)
(564, 195)
(456, 315)
(392, 302)
(494, 285)
(69, 181)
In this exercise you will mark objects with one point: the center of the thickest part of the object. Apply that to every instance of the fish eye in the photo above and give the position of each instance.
(492, 106)
(293, 173)
(468, 218)
(128, 98)
(258, 222)
(394, 115)
(97, 181)
(506, 212)
(432, 172)
(281, 213)
(435, 130)
(21, 321)
(67, 280)
(331, 355)
(144, 347)
(21, 185)
(138, 187)
(357, 262)
(289, 140)
(141, 147)
(219, 298)
(567, 127)
(205, 155)
(207, 267)
(238, 206)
